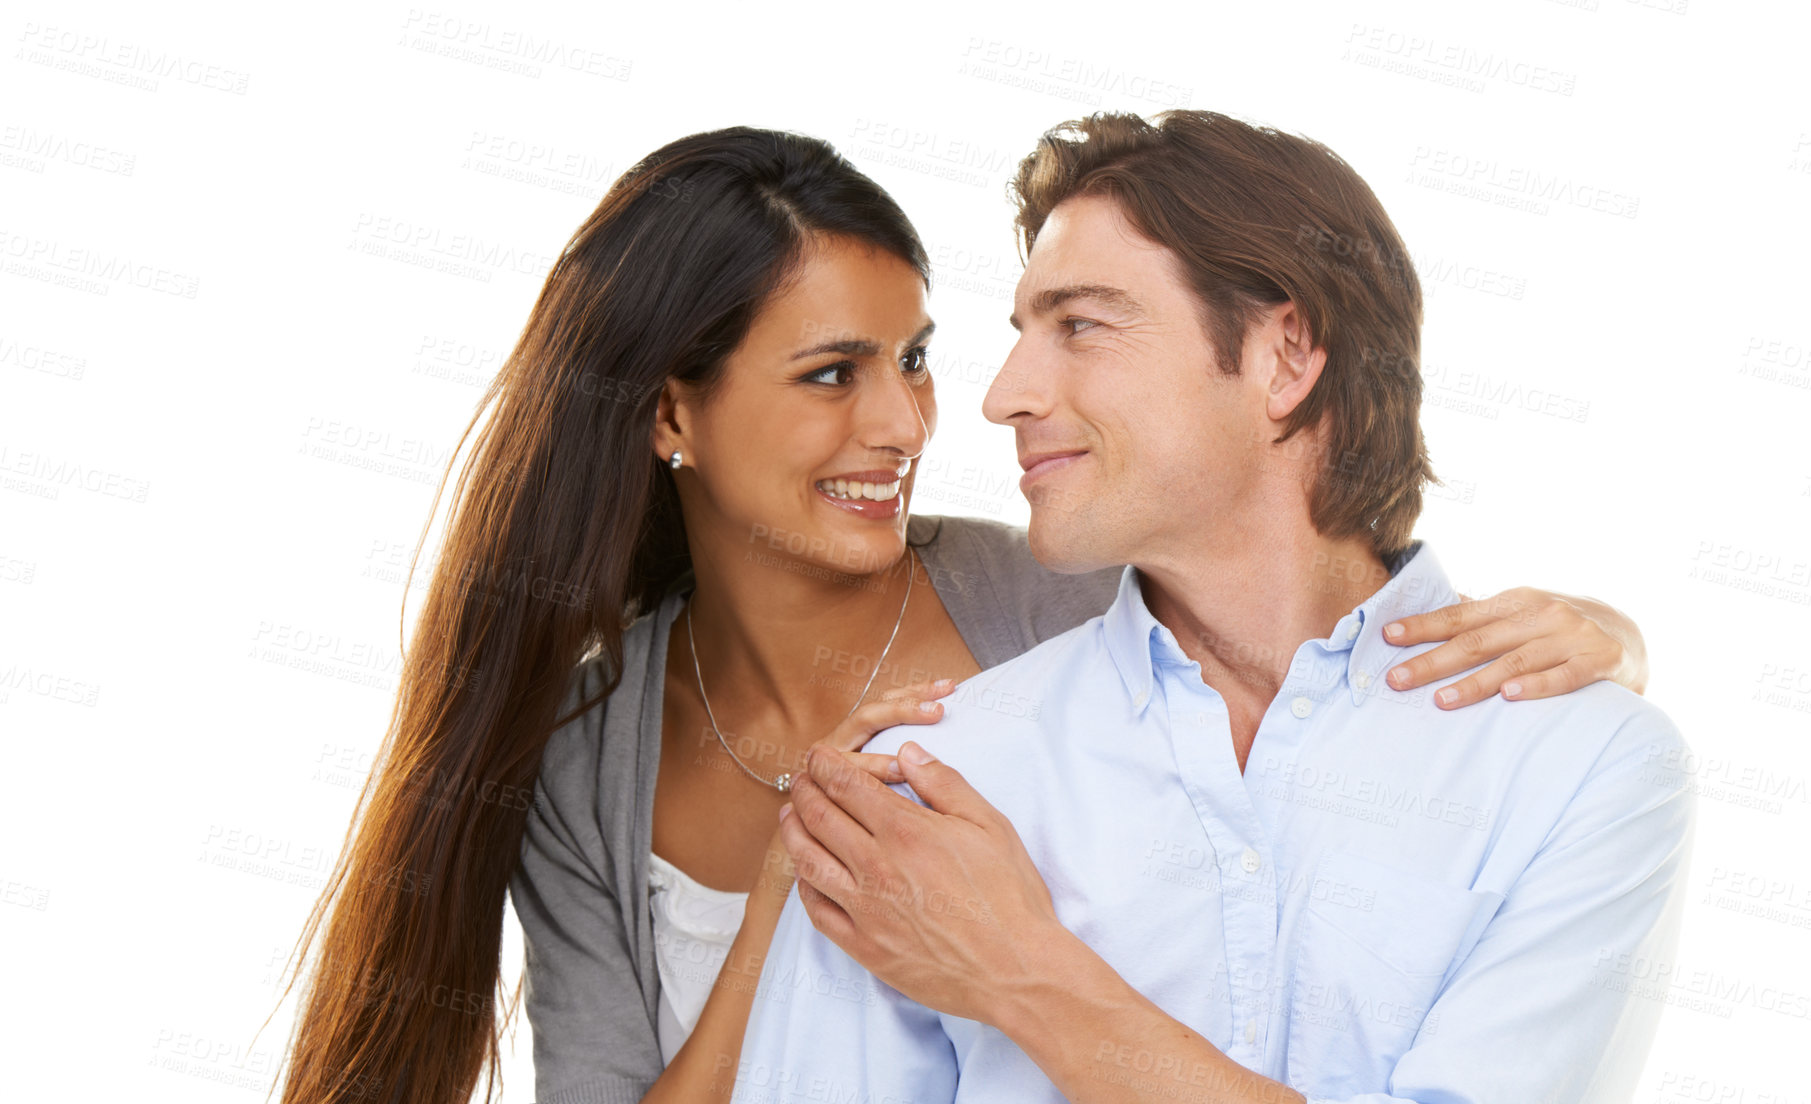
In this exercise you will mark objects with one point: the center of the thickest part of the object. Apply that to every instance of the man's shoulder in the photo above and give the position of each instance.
(1603, 745)
(1639, 749)
(994, 713)
(1605, 720)
(1597, 722)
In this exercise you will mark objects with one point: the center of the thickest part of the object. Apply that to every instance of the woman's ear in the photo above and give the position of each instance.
(672, 419)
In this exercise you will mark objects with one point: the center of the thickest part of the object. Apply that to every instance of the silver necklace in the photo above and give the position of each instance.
(783, 782)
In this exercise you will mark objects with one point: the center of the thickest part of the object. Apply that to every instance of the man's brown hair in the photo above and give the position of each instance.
(1258, 217)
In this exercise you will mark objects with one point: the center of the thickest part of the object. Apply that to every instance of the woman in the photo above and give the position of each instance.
(693, 486)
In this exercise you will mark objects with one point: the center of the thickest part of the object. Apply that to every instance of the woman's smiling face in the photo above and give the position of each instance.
(807, 449)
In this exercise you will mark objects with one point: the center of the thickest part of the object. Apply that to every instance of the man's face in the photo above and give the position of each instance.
(1135, 445)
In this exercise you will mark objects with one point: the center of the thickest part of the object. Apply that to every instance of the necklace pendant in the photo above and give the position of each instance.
(783, 783)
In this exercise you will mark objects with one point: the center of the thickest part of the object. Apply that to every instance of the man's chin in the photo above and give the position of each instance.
(1064, 545)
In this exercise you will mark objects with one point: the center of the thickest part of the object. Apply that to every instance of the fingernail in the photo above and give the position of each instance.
(912, 753)
(1447, 696)
(1512, 689)
(1393, 630)
(1398, 675)
(945, 684)
(927, 707)
(785, 811)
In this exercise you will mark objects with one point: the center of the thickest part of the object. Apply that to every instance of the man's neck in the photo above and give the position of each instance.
(1241, 611)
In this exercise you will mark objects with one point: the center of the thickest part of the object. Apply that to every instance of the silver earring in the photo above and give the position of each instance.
(675, 460)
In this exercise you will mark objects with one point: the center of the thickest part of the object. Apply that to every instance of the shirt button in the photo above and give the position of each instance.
(1301, 707)
(1361, 680)
(1251, 1031)
(1352, 631)
(1249, 861)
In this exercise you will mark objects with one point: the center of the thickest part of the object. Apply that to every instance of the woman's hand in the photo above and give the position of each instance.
(914, 704)
(1544, 644)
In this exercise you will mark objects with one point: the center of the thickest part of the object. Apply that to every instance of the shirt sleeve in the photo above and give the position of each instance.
(1551, 1004)
(824, 1028)
(593, 1041)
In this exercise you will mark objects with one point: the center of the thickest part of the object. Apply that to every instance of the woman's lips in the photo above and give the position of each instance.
(865, 507)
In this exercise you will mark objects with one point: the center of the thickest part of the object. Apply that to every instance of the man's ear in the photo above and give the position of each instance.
(1291, 357)
(672, 419)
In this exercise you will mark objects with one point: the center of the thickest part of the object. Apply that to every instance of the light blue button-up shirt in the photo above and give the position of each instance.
(1392, 902)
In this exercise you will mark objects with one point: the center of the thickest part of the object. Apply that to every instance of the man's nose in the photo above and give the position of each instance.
(1019, 388)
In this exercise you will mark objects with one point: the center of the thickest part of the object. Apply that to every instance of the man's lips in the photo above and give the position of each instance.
(1042, 463)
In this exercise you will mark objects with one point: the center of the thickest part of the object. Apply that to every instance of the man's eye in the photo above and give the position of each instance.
(916, 362)
(1073, 322)
(844, 369)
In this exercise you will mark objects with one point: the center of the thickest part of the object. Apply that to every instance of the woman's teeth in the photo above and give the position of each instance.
(874, 492)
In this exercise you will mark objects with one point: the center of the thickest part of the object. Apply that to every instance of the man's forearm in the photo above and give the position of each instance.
(1102, 1042)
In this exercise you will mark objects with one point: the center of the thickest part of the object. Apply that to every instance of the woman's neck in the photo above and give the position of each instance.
(786, 642)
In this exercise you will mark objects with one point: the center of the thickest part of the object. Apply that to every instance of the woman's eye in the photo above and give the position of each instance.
(916, 362)
(843, 368)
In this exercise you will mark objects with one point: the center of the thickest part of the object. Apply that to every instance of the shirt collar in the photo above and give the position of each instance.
(1136, 641)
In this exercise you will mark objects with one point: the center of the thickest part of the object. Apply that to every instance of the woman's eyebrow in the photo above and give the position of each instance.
(860, 346)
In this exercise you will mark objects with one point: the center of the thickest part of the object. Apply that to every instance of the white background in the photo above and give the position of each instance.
(219, 307)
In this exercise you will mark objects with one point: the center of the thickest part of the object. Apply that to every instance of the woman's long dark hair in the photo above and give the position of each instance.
(563, 528)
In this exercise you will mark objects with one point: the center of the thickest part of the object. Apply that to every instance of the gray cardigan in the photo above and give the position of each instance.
(581, 889)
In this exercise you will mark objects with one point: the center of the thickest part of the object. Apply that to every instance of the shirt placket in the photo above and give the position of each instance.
(1314, 682)
(1201, 737)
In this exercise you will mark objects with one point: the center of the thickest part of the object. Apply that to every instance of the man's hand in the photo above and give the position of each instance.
(942, 903)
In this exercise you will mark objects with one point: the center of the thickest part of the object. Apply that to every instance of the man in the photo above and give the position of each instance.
(1218, 857)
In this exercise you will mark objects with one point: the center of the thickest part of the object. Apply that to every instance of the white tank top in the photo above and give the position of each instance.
(693, 928)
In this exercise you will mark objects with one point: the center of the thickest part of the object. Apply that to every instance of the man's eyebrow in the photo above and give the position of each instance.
(860, 346)
(1051, 298)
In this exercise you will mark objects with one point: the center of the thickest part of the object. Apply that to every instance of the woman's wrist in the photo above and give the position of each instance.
(774, 880)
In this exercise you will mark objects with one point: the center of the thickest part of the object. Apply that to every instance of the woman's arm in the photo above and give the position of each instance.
(705, 1067)
(1543, 644)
